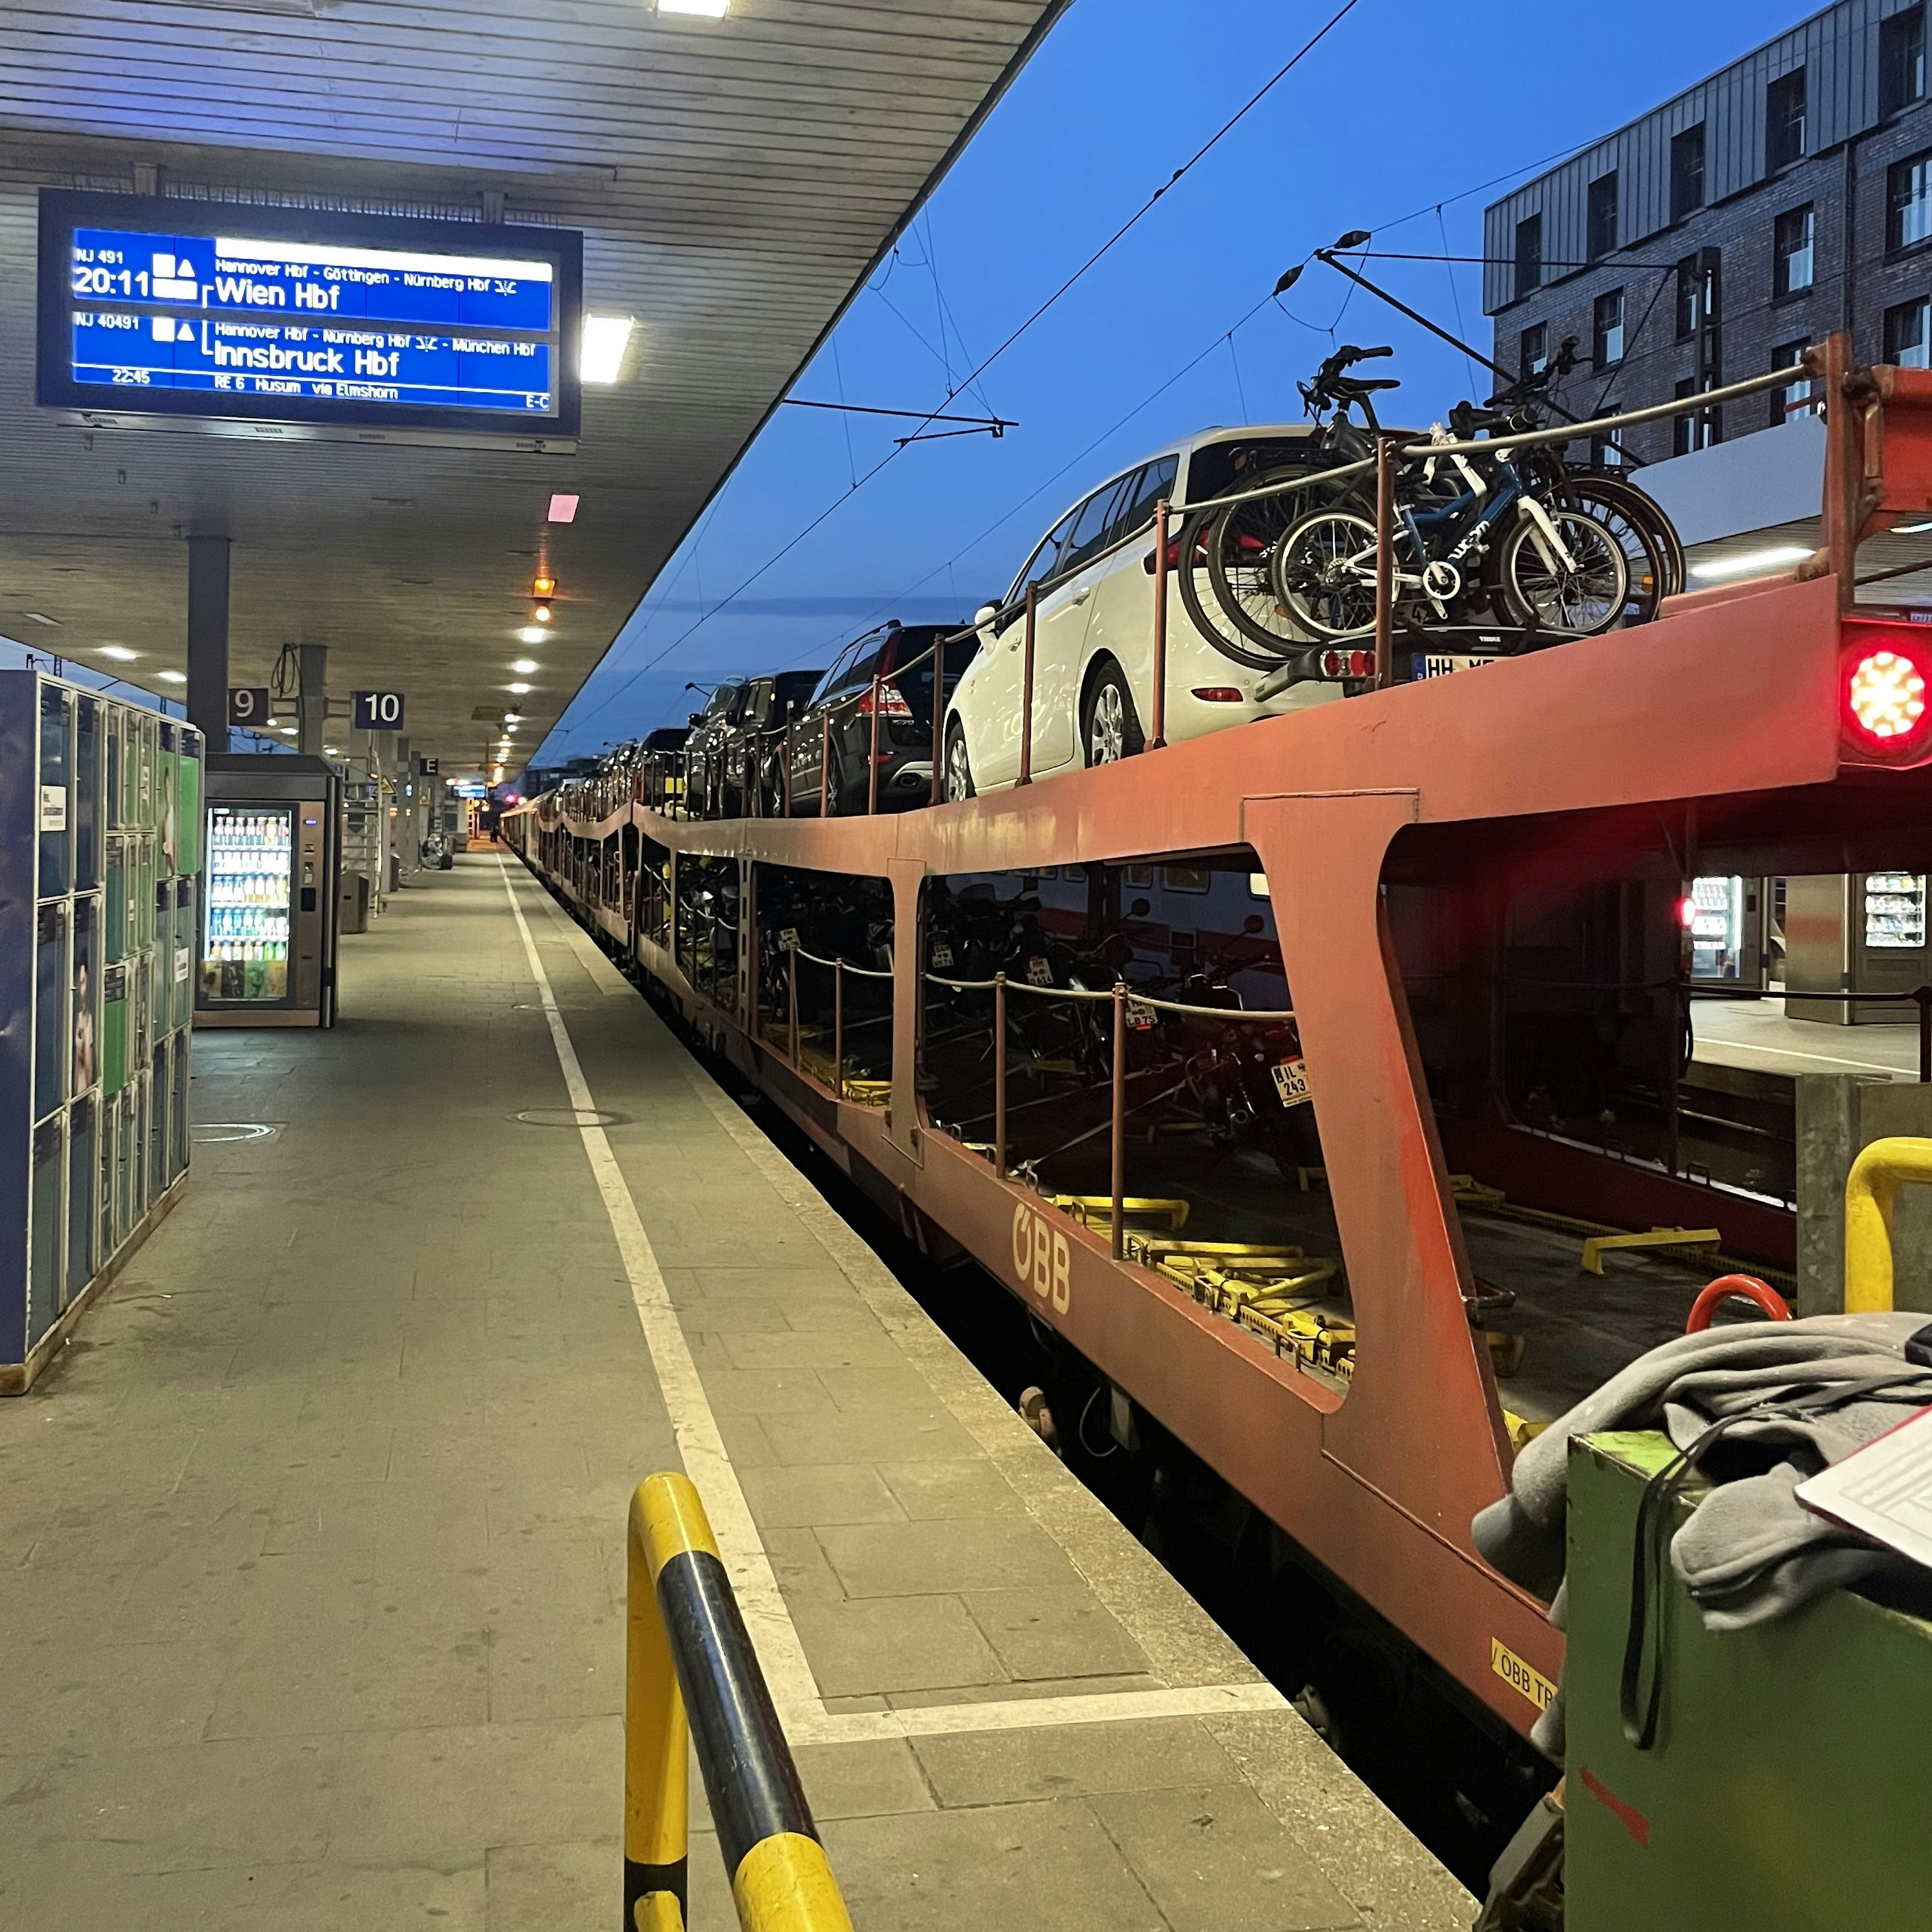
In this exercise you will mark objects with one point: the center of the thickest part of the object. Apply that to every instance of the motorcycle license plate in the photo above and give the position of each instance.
(1291, 1082)
(942, 954)
(1039, 972)
(1141, 1017)
(1433, 664)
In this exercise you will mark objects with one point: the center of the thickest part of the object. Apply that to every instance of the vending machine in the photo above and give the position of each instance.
(270, 911)
(1863, 932)
(1729, 943)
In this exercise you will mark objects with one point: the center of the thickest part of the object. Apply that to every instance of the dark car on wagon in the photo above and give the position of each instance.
(753, 745)
(839, 718)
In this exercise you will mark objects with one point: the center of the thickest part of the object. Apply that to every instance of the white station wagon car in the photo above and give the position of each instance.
(1093, 629)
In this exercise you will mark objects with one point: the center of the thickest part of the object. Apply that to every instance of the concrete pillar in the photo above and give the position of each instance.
(312, 705)
(208, 638)
(1838, 1114)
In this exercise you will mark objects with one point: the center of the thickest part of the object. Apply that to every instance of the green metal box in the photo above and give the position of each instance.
(1790, 1786)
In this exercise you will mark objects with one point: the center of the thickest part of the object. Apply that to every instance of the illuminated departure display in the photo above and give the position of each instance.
(286, 314)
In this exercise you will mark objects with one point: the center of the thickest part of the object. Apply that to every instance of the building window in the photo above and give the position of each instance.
(1607, 448)
(1901, 60)
(1697, 431)
(1690, 297)
(1791, 251)
(1609, 326)
(1686, 172)
(1529, 254)
(1908, 198)
(1784, 122)
(1795, 399)
(1604, 216)
(1907, 336)
(1533, 350)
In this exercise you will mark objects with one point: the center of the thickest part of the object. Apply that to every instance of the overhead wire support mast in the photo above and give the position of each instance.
(1328, 256)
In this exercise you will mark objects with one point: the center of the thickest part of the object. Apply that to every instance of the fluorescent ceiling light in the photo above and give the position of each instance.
(173, 676)
(532, 634)
(519, 690)
(330, 751)
(524, 666)
(605, 339)
(41, 617)
(700, 9)
(1751, 562)
(563, 508)
(287, 731)
(120, 653)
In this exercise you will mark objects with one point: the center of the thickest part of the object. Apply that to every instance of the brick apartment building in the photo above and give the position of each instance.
(1788, 195)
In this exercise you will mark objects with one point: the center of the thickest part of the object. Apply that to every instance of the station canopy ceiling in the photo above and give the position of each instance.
(734, 180)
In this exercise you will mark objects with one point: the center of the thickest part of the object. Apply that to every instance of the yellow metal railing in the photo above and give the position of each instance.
(1870, 1189)
(691, 1676)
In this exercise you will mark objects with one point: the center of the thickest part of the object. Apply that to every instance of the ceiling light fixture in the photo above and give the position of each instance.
(287, 731)
(541, 613)
(330, 751)
(698, 10)
(605, 339)
(520, 689)
(1750, 563)
(120, 653)
(41, 617)
(563, 508)
(531, 633)
(174, 677)
(524, 666)
(544, 587)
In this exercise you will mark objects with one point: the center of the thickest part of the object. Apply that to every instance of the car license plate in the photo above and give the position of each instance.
(1432, 663)
(1291, 1081)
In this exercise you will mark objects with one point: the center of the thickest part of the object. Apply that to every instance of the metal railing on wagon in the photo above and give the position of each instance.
(691, 1677)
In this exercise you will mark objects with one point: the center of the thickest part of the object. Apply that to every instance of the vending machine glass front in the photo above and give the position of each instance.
(245, 954)
(1717, 915)
(1895, 910)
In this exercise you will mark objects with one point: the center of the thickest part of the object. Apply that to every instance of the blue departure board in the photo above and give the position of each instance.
(278, 313)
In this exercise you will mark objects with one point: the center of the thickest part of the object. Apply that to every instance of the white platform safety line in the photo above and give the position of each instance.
(701, 1446)
(767, 1619)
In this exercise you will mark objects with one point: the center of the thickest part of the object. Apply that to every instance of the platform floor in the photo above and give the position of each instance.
(1757, 1034)
(312, 1545)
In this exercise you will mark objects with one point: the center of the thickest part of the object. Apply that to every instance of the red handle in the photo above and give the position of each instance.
(1745, 1287)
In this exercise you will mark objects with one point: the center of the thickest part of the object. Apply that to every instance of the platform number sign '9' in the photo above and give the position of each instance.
(249, 705)
(1043, 1258)
(377, 710)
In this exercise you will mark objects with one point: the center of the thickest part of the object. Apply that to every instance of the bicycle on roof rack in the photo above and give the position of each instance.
(1524, 541)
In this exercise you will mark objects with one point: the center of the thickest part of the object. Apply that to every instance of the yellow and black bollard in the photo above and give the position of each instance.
(692, 1676)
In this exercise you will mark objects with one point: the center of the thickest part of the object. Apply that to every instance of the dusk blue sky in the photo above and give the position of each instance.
(1404, 105)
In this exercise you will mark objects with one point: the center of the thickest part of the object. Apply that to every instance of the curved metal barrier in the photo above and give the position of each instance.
(1870, 1188)
(691, 1675)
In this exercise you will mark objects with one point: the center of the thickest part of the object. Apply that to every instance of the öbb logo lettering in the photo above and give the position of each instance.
(1043, 1258)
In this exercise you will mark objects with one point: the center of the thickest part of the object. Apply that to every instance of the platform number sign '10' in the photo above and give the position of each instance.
(377, 710)
(1042, 1256)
